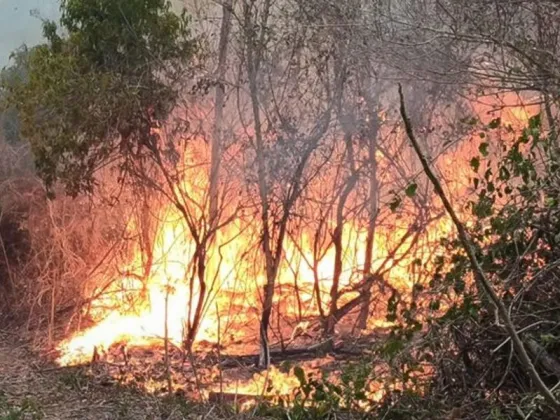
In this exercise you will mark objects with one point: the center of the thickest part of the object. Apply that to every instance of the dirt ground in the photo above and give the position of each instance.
(33, 389)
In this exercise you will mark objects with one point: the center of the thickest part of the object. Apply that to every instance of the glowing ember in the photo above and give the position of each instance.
(272, 382)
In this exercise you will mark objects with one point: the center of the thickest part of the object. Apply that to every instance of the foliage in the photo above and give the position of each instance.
(515, 226)
(27, 409)
(516, 221)
(11, 77)
(100, 86)
(319, 397)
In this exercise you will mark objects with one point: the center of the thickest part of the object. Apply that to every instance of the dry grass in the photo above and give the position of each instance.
(53, 252)
(31, 388)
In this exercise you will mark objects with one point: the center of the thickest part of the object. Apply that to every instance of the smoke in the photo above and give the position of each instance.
(20, 23)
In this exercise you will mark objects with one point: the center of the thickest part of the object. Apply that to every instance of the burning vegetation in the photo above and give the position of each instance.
(302, 207)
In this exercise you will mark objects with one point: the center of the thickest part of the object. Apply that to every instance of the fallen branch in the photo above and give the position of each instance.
(507, 340)
(541, 355)
(477, 268)
(308, 353)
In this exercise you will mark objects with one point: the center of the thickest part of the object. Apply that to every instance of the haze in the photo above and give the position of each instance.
(18, 26)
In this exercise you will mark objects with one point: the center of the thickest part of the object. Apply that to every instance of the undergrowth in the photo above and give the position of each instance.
(26, 409)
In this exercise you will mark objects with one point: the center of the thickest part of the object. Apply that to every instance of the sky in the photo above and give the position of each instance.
(18, 27)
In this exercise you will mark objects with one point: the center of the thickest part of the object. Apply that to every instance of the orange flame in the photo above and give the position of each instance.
(134, 308)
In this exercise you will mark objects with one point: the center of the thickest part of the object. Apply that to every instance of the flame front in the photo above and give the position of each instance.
(152, 295)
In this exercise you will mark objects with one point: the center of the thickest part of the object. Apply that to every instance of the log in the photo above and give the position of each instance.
(235, 398)
(309, 353)
(541, 355)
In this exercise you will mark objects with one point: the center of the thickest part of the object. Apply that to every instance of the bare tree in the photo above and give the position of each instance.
(279, 101)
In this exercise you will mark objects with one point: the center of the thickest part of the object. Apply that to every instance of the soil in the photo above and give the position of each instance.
(31, 388)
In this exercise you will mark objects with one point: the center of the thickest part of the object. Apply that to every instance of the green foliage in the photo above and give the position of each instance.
(475, 163)
(410, 191)
(26, 409)
(320, 398)
(98, 92)
(514, 188)
(395, 203)
(509, 206)
(10, 126)
(515, 230)
(515, 226)
(495, 123)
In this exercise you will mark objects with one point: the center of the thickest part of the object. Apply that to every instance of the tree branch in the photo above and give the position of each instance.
(477, 268)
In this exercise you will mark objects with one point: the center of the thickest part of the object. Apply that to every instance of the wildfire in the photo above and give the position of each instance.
(139, 307)
(150, 303)
(142, 310)
(277, 385)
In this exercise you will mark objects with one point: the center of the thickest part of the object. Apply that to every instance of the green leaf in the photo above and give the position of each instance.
(411, 189)
(483, 149)
(535, 122)
(459, 285)
(504, 173)
(495, 123)
(476, 183)
(475, 164)
(484, 207)
(300, 375)
(392, 347)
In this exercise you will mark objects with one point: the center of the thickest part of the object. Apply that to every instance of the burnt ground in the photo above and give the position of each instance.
(115, 386)
(31, 388)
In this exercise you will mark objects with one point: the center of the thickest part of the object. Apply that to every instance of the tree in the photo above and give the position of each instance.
(103, 95)
(293, 91)
(11, 76)
(96, 94)
(506, 219)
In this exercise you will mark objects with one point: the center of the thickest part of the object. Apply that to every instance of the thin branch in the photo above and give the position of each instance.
(477, 268)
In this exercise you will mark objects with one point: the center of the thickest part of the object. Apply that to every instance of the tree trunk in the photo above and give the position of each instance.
(219, 102)
(337, 239)
(253, 63)
(215, 158)
(200, 261)
(146, 242)
(166, 341)
(373, 211)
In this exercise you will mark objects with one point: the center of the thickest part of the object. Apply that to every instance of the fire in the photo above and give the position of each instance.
(275, 385)
(138, 317)
(272, 382)
(141, 310)
(149, 303)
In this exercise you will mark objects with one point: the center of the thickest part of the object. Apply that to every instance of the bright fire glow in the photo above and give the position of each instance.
(133, 309)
